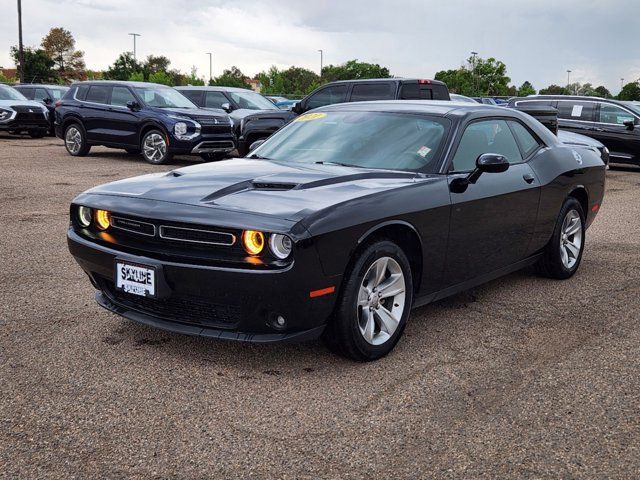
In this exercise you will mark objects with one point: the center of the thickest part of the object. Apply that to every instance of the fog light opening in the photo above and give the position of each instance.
(277, 321)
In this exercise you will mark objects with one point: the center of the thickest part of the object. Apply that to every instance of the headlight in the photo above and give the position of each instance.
(102, 219)
(5, 114)
(84, 216)
(253, 241)
(180, 128)
(280, 245)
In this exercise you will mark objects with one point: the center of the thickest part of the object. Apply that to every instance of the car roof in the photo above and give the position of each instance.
(391, 79)
(48, 85)
(215, 88)
(565, 97)
(120, 82)
(435, 107)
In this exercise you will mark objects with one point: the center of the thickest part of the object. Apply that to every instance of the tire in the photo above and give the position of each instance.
(154, 147)
(563, 254)
(37, 133)
(75, 140)
(356, 329)
(213, 157)
(133, 151)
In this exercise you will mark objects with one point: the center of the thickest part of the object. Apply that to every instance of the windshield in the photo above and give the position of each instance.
(8, 93)
(381, 140)
(163, 97)
(58, 92)
(633, 106)
(252, 101)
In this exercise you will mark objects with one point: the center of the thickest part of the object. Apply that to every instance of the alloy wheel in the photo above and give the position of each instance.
(73, 140)
(381, 300)
(571, 239)
(155, 147)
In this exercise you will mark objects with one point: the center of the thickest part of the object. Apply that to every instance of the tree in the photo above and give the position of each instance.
(554, 90)
(631, 91)
(136, 77)
(5, 79)
(353, 70)
(122, 69)
(272, 82)
(155, 64)
(458, 81)
(232, 77)
(60, 46)
(602, 91)
(526, 89)
(295, 81)
(38, 66)
(477, 77)
(162, 78)
(193, 78)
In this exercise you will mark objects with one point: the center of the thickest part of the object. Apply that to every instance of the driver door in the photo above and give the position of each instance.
(493, 220)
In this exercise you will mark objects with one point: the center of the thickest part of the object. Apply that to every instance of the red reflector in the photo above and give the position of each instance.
(322, 291)
(595, 208)
(424, 82)
(58, 103)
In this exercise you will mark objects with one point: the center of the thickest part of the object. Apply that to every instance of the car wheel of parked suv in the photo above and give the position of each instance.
(154, 148)
(75, 140)
(212, 157)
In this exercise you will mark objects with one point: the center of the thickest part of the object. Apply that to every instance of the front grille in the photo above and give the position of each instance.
(194, 235)
(133, 226)
(29, 115)
(211, 121)
(188, 309)
(220, 129)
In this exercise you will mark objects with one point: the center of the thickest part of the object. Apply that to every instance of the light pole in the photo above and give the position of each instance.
(621, 84)
(134, 35)
(210, 66)
(568, 79)
(321, 52)
(20, 47)
(473, 63)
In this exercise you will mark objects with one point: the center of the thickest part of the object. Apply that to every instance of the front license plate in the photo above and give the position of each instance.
(136, 279)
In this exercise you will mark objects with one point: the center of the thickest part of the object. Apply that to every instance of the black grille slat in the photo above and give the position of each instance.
(179, 308)
(196, 235)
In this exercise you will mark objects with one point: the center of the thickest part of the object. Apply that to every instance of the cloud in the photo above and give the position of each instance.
(537, 39)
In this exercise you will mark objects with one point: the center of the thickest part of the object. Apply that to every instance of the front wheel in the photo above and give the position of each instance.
(374, 303)
(155, 149)
(75, 140)
(563, 254)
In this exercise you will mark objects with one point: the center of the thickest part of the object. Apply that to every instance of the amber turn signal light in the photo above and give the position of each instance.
(253, 241)
(102, 219)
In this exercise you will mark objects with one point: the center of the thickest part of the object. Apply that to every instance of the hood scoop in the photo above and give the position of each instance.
(246, 186)
(273, 186)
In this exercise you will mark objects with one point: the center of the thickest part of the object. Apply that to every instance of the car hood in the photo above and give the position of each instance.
(195, 113)
(262, 114)
(572, 138)
(263, 187)
(22, 103)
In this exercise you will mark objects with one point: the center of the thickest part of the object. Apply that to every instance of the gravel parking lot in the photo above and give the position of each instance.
(523, 377)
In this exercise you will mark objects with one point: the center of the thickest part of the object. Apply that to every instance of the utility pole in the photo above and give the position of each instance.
(134, 35)
(210, 66)
(568, 80)
(473, 63)
(321, 52)
(20, 46)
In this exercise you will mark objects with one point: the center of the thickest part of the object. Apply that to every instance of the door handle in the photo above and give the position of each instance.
(529, 178)
(598, 129)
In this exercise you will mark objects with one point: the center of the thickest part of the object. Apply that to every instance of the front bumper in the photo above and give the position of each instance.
(18, 125)
(215, 302)
(206, 143)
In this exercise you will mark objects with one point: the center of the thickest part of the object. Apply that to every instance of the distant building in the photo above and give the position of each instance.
(9, 72)
(256, 86)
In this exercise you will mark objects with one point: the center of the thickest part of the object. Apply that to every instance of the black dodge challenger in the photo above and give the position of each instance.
(339, 224)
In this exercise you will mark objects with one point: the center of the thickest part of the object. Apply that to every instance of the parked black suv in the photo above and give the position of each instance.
(615, 124)
(254, 116)
(17, 114)
(48, 95)
(372, 89)
(155, 120)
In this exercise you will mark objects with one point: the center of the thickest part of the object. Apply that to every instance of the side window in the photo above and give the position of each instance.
(81, 93)
(120, 96)
(372, 91)
(327, 96)
(614, 114)
(194, 95)
(40, 94)
(98, 94)
(525, 138)
(215, 99)
(570, 110)
(27, 92)
(487, 136)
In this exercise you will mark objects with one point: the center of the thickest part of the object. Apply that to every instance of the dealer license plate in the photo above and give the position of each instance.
(136, 279)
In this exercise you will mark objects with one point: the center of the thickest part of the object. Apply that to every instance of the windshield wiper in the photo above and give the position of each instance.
(255, 156)
(322, 162)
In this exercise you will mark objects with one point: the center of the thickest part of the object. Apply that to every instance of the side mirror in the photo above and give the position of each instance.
(630, 124)
(485, 163)
(47, 101)
(133, 106)
(227, 107)
(297, 108)
(256, 144)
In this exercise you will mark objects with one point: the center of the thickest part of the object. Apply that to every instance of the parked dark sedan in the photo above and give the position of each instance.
(615, 124)
(48, 95)
(254, 117)
(339, 224)
(147, 118)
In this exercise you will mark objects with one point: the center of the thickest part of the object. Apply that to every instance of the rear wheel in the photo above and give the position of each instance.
(374, 303)
(155, 149)
(563, 253)
(75, 140)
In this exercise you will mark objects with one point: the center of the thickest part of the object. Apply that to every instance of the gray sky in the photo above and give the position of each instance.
(537, 39)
